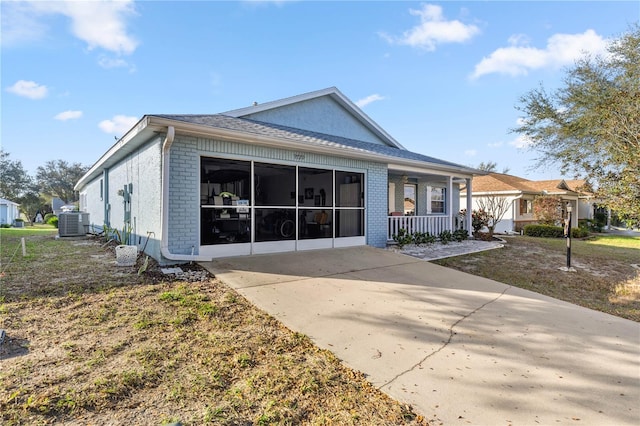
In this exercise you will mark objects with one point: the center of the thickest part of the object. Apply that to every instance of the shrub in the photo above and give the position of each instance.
(600, 219)
(445, 236)
(420, 238)
(547, 209)
(579, 232)
(479, 219)
(595, 225)
(544, 231)
(53, 221)
(47, 216)
(402, 238)
(460, 235)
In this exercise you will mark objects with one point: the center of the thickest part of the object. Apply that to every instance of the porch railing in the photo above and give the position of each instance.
(431, 224)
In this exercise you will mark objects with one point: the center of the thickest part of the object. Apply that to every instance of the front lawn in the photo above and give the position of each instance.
(88, 342)
(605, 279)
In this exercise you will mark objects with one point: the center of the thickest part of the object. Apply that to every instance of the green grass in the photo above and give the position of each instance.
(618, 241)
(28, 230)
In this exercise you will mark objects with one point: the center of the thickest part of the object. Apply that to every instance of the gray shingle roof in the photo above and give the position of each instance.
(301, 136)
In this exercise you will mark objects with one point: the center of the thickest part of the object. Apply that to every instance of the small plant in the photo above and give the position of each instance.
(53, 221)
(244, 360)
(144, 266)
(579, 232)
(445, 236)
(460, 235)
(479, 219)
(402, 238)
(121, 237)
(420, 238)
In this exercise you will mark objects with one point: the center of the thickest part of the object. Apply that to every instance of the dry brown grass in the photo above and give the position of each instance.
(605, 278)
(91, 343)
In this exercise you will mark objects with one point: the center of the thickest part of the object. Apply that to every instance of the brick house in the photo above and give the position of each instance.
(306, 172)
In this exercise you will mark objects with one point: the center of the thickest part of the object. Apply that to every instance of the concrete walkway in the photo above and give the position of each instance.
(460, 349)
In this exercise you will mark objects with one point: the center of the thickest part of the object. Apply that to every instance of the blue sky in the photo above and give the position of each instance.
(443, 78)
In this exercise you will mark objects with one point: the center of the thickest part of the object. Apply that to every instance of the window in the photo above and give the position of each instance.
(436, 199)
(526, 206)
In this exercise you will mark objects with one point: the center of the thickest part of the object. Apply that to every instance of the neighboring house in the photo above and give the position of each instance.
(56, 205)
(521, 193)
(8, 212)
(306, 172)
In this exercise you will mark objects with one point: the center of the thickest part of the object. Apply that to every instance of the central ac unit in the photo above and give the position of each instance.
(73, 224)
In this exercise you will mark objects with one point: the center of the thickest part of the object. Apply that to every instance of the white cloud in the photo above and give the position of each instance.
(433, 30)
(519, 58)
(471, 152)
(369, 99)
(101, 24)
(28, 89)
(495, 144)
(68, 115)
(118, 125)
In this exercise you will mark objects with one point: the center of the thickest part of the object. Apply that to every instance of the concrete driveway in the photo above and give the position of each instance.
(460, 349)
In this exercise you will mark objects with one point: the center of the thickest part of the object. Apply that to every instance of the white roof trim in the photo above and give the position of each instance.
(335, 95)
(5, 201)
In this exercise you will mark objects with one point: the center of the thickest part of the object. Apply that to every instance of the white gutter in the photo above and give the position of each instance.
(164, 239)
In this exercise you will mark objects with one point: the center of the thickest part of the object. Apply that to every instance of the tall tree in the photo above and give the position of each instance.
(591, 125)
(491, 166)
(31, 203)
(14, 179)
(57, 179)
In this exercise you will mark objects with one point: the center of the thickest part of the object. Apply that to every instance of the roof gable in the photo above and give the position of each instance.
(325, 111)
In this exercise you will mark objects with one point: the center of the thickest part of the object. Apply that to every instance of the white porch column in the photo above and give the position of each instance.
(469, 206)
(452, 225)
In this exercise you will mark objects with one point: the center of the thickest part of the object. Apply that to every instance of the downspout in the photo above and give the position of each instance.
(164, 240)
(469, 217)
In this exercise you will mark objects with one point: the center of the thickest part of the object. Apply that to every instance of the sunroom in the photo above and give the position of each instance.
(252, 207)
